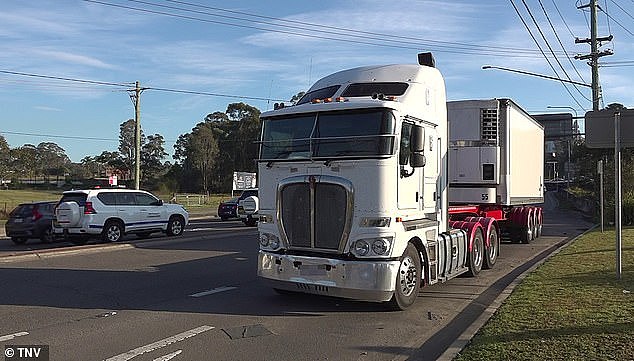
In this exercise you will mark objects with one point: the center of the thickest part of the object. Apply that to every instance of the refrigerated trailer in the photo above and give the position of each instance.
(353, 196)
(496, 166)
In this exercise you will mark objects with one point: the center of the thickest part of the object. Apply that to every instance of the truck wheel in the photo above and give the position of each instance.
(476, 255)
(112, 232)
(175, 226)
(407, 280)
(526, 232)
(493, 250)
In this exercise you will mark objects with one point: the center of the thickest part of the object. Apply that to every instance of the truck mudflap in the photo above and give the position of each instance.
(361, 280)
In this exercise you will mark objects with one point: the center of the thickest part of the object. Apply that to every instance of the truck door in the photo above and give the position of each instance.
(410, 182)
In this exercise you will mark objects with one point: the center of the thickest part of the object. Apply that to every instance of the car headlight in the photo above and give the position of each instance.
(269, 242)
(372, 247)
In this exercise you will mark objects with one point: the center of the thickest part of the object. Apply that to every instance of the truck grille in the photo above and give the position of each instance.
(315, 212)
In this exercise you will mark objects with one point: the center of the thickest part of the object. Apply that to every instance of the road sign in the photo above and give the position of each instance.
(244, 180)
(600, 128)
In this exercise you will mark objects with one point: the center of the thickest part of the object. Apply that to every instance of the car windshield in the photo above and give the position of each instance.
(361, 133)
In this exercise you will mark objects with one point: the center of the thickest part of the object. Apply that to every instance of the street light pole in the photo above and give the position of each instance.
(536, 74)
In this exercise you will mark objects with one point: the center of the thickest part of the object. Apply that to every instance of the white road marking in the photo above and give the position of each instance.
(212, 291)
(168, 356)
(12, 336)
(159, 344)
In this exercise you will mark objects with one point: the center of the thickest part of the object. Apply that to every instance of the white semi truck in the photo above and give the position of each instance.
(353, 197)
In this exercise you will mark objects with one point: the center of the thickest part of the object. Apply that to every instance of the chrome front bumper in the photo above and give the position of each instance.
(361, 280)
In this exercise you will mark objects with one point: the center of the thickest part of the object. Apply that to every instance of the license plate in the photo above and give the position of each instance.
(312, 270)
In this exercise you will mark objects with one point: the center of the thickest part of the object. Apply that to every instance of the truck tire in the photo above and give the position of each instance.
(112, 231)
(493, 250)
(477, 253)
(408, 279)
(526, 231)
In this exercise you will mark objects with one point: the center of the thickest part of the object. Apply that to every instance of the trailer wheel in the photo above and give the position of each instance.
(407, 280)
(493, 250)
(476, 255)
(540, 222)
(526, 231)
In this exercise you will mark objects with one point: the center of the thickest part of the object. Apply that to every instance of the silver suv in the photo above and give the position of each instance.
(110, 213)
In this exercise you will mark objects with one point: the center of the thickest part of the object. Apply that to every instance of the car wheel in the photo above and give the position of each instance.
(18, 240)
(112, 231)
(47, 235)
(175, 226)
(407, 280)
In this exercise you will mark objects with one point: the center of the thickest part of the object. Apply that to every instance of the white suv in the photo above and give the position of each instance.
(111, 212)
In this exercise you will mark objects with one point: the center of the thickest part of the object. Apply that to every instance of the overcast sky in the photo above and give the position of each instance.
(262, 50)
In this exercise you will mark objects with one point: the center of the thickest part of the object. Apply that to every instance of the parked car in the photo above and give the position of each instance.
(228, 209)
(248, 207)
(31, 220)
(110, 213)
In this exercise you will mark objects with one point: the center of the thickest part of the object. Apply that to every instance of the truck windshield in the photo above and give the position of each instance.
(360, 133)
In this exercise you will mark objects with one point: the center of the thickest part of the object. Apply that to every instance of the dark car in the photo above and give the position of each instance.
(228, 209)
(31, 220)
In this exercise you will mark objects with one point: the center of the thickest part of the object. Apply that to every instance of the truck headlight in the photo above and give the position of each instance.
(361, 248)
(372, 247)
(269, 242)
(381, 246)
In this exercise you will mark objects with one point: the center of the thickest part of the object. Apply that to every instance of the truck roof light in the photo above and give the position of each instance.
(327, 100)
(399, 219)
(316, 101)
(341, 99)
(277, 106)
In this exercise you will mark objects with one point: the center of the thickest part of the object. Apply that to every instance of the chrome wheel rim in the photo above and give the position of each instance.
(407, 276)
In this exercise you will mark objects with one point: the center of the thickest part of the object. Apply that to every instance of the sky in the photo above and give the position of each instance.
(66, 65)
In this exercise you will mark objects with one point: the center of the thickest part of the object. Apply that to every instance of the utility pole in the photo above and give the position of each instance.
(135, 96)
(594, 51)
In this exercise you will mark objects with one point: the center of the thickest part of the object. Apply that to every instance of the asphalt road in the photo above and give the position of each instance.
(197, 297)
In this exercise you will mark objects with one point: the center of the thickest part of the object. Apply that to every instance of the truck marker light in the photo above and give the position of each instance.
(341, 99)
(316, 101)
(327, 100)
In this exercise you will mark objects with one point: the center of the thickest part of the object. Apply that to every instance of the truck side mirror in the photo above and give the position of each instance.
(418, 139)
(418, 160)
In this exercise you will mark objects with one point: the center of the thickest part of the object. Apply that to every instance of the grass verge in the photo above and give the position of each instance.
(570, 308)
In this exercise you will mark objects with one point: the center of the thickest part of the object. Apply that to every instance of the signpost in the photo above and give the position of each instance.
(244, 180)
(606, 129)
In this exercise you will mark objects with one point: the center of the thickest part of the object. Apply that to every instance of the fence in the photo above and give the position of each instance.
(190, 199)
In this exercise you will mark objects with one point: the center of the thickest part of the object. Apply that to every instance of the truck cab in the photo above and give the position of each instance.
(353, 188)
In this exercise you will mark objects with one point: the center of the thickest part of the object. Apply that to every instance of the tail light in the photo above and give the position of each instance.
(88, 209)
(36, 213)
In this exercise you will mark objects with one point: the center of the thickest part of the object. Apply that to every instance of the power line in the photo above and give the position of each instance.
(562, 46)
(619, 6)
(322, 26)
(213, 94)
(66, 79)
(540, 48)
(617, 22)
(59, 136)
(314, 36)
(563, 19)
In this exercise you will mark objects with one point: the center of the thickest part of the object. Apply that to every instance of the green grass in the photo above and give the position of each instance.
(9, 199)
(570, 308)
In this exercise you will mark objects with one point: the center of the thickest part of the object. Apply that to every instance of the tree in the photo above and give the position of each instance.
(51, 160)
(24, 161)
(127, 146)
(297, 97)
(203, 152)
(152, 156)
(5, 159)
